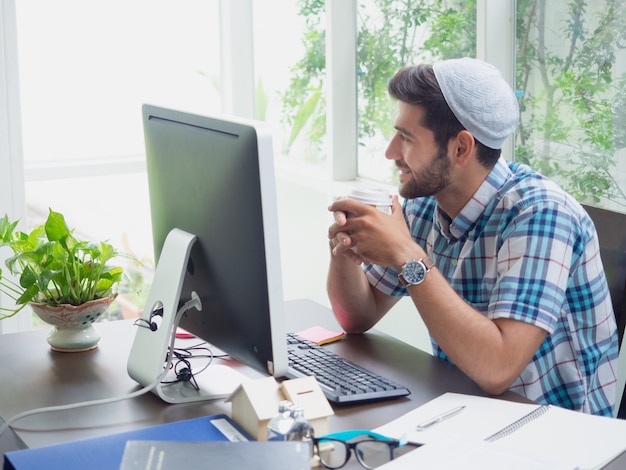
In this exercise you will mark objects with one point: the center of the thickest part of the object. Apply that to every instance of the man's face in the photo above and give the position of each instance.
(423, 167)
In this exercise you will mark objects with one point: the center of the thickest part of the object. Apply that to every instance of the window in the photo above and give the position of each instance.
(85, 71)
(570, 76)
(83, 87)
(276, 52)
(302, 94)
(571, 73)
(392, 34)
(389, 34)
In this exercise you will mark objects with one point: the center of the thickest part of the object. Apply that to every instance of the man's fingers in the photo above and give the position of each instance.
(340, 218)
(344, 248)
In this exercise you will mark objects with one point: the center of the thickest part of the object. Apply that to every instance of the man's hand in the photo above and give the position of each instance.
(341, 243)
(365, 234)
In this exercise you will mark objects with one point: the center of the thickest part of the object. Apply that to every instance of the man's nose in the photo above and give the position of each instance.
(393, 149)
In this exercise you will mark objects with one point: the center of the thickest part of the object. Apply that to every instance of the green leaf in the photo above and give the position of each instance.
(303, 114)
(103, 286)
(45, 277)
(28, 278)
(6, 229)
(28, 295)
(114, 273)
(56, 228)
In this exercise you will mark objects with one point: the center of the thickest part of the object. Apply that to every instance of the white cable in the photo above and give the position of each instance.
(194, 302)
(103, 401)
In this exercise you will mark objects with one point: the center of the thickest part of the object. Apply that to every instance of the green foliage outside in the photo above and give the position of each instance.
(387, 35)
(574, 105)
(572, 98)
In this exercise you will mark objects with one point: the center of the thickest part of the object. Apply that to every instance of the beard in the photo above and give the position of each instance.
(429, 180)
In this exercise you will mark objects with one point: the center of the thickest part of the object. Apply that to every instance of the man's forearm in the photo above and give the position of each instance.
(350, 295)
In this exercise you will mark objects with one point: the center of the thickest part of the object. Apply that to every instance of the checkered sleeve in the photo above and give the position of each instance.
(419, 214)
(538, 247)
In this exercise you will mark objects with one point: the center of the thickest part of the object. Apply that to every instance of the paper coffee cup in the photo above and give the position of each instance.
(378, 198)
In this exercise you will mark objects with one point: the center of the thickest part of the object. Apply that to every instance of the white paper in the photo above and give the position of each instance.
(454, 454)
(480, 418)
(572, 438)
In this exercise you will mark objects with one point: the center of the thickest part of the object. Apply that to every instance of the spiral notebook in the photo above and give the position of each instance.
(576, 439)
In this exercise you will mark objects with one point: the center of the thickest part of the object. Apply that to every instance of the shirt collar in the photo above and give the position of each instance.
(475, 207)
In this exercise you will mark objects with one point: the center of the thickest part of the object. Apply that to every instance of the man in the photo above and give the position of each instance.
(502, 265)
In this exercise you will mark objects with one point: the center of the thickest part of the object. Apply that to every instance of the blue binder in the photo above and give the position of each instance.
(106, 452)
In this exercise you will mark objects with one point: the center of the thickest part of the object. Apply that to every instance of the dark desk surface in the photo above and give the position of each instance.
(33, 376)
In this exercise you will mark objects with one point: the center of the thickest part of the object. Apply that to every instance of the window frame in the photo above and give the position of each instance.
(12, 195)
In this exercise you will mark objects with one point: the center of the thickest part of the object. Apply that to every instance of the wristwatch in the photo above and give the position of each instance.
(413, 272)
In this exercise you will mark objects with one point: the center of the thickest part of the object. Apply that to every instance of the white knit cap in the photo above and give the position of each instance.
(480, 98)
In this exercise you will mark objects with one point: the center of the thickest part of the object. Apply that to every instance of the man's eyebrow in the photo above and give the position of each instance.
(403, 130)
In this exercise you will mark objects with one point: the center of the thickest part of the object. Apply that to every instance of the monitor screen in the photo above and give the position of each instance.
(213, 177)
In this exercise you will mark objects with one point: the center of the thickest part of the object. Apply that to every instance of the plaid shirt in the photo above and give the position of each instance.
(523, 249)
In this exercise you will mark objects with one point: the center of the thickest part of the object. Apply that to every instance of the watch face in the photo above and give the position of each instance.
(413, 272)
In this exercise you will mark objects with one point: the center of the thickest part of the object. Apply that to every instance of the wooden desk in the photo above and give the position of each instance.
(33, 376)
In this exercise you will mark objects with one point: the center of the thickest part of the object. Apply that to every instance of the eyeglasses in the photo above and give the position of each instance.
(371, 452)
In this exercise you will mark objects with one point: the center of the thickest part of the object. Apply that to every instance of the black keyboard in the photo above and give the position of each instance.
(341, 381)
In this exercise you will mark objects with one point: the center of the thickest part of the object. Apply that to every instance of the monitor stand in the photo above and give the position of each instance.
(156, 333)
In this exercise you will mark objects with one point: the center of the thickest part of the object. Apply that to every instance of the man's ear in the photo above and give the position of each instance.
(465, 147)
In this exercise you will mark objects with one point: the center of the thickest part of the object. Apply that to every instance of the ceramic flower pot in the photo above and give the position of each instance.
(73, 324)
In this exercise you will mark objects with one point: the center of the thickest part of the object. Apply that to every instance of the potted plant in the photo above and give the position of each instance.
(67, 282)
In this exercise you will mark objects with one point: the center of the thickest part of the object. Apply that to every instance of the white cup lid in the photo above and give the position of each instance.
(372, 196)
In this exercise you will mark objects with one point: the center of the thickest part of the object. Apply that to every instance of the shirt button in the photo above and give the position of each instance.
(455, 262)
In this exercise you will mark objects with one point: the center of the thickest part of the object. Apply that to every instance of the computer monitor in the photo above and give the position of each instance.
(213, 179)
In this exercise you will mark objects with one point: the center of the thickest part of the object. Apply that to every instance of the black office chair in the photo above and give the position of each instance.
(611, 228)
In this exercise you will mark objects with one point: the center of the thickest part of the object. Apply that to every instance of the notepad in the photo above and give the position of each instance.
(320, 335)
(577, 440)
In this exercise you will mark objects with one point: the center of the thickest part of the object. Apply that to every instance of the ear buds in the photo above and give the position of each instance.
(184, 374)
(142, 322)
(182, 368)
(151, 324)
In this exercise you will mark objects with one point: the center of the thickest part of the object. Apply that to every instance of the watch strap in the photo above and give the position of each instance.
(428, 262)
